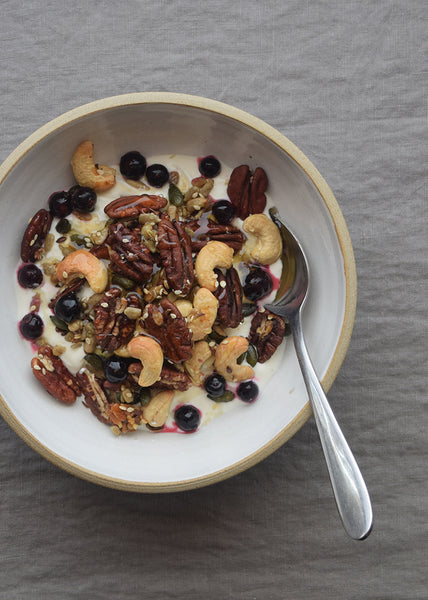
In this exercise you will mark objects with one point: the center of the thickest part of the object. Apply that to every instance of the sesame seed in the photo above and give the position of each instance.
(222, 284)
(65, 274)
(104, 304)
(37, 368)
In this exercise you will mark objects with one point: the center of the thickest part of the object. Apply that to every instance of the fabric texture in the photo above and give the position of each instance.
(346, 81)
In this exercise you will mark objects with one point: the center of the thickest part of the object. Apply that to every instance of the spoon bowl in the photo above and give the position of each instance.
(349, 488)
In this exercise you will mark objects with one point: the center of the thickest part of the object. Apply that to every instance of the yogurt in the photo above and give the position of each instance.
(73, 354)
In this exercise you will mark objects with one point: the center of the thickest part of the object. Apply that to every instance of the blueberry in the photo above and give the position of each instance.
(31, 326)
(60, 204)
(209, 166)
(133, 165)
(247, 391)
(157, 175)
(224, 211)
(215, 385)
(187, 417)
(83, 198)
(67, 308)
(116, 369)
(258, 284)
(30, 276)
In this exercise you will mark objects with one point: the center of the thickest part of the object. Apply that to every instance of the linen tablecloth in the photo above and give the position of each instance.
(346, 81)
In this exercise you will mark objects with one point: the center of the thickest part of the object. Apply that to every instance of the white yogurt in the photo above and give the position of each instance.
(73, 357)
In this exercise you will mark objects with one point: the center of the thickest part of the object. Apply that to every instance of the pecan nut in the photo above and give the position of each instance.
(129, 257)
(129, 207)
(170, 378)
(54, 376)
(229, 296)
(165, 323)
(175, 251)
(246, 190)
(113, 328)
(95, 397)
(35, 235)
(228, 234)
(266, 333)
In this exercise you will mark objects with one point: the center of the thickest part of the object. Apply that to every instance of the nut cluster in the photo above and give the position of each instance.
(159, 291)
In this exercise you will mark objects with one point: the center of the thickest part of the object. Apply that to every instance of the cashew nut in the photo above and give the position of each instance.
(202, 316)
(201, 353)
(227, 353)
(150, 354)
(267, 247)
(86, 264)
(212, 255)
(184, 306)
(87, 173)
(157, 410)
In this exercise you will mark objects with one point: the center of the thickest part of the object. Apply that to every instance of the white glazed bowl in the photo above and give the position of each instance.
(175, 123)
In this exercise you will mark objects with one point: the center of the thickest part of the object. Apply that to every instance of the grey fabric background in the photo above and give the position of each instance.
(345, 80)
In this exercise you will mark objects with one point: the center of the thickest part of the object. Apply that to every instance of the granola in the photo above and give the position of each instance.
(134, 279)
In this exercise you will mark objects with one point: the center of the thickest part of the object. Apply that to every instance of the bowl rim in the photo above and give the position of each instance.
(342, 234)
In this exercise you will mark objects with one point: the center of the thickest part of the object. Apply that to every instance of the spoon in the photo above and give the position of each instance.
(350, 491)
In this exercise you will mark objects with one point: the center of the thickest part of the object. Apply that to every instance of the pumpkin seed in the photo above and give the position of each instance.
(63, 226)
(123, 282)
(216, 337)
(141, 396)
(175, 195)
(248, 308)
(95, 361)
(78, 239)
(59, 323)
(228, 396)
(252, 355)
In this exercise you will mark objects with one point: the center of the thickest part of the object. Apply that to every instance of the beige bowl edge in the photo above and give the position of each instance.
(348, 261)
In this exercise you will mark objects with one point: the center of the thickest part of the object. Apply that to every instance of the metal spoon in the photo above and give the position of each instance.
(350, 491)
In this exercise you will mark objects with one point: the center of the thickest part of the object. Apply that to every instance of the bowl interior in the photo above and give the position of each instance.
(70, 436)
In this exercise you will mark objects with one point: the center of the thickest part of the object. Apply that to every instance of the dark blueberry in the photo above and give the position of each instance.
(116, 369)
(209, 166)
(63, 226)
(224, 211)
(83, 198)
(258, 284)
(60, 204)
(187, 417)
(31, 326)
(30, 276)
(247, 391)
(67, 307)
(215, 385)
(157, 175)
(133, 165)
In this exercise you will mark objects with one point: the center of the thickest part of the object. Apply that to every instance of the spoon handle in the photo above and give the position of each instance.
(350, 491)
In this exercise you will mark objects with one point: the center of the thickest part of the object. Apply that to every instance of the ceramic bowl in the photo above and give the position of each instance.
(175, 123)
